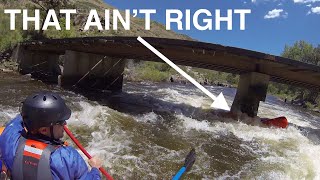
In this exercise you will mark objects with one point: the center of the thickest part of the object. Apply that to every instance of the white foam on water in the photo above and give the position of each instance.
(149, 84)
(104, 144)
(114, 148)
(273, 175)
(87, 116)
(6, 114)
(175, 96)
(286, 148)
(113, 145)
(274, 110)
(281, 153)
(192, 124)
(150, 117)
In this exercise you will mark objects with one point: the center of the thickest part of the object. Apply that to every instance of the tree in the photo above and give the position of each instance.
(300, 51)
(304, 52)
(317, 55)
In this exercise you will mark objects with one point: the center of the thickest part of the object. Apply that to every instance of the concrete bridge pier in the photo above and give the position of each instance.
(41, 65)
(92, 71)
(252, 89)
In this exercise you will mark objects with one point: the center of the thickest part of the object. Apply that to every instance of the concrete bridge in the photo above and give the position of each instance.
(98, 63)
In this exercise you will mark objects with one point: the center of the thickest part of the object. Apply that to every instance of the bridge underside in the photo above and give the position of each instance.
(80, 56)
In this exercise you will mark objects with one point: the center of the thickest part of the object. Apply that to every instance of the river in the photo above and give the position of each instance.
(146, 131)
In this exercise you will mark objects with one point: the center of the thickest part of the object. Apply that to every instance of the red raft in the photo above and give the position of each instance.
(280, 122)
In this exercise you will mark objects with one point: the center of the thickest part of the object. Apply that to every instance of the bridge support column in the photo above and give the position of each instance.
(92, 71)
(252, 89)
(41, 65)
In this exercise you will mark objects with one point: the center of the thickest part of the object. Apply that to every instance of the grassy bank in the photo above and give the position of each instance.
(161, 72)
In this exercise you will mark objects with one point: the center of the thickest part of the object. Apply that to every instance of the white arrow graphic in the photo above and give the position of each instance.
(218, 102)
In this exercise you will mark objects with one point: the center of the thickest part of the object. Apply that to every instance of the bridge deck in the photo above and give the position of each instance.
(190, 53)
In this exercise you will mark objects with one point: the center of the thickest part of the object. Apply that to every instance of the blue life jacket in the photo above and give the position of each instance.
(65, 161)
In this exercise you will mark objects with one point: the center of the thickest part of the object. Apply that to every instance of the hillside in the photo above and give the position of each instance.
(11, 38)
(140, 71)
(137, 24)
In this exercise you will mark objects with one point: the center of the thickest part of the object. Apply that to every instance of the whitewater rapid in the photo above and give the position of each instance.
(152, 142)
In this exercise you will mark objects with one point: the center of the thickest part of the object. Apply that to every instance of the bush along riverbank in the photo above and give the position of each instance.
(161, 72)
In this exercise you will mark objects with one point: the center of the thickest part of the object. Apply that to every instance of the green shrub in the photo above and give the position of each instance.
(153, 71)
(63, 33)
(9, 38)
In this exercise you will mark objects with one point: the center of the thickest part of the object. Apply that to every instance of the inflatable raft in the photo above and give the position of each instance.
(279, 122)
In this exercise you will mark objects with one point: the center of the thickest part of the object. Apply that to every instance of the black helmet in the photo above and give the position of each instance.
(44, 109)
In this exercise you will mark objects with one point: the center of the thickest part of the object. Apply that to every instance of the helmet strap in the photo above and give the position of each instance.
(51, 132)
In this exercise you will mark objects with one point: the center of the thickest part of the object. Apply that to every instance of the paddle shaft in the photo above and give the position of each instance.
(188, 163)
(179, 173)
(103, 171)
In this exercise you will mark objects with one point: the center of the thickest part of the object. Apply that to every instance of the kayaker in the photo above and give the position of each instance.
(31, 143)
